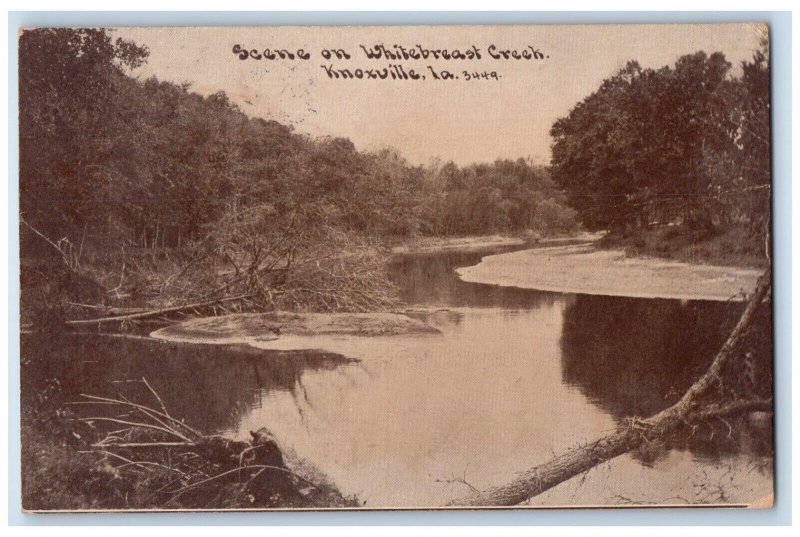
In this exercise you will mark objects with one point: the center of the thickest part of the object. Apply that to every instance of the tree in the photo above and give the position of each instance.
(639, 144)
(591, 153)
(69, 128)
(166, 185)
(755, 164)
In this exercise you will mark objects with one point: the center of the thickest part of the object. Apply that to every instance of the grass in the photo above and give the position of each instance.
(61, 472)
(734, 246)
(57, 476)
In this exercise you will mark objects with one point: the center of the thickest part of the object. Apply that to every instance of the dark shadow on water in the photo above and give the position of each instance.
(210, 386)
(635, 357)
(430, 280)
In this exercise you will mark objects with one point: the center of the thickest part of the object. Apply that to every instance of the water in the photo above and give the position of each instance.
(516, 377)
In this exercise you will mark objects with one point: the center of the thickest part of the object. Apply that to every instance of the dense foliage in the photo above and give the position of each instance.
(687, 145)
(149, 163)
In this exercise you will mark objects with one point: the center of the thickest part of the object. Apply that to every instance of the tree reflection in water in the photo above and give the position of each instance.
(635, 357)
(210, 386)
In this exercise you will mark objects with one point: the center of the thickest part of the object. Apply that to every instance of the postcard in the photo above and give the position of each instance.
(395, 267)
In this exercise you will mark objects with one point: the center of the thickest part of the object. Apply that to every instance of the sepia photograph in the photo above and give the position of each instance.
(395, 267)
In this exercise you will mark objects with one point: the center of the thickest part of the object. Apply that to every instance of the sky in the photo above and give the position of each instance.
(460, 120)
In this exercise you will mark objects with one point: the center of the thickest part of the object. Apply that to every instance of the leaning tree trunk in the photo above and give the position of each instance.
(635, 432)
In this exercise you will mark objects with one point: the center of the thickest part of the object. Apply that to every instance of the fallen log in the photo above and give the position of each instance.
(108, 310)
(635, 432)
(154, 313)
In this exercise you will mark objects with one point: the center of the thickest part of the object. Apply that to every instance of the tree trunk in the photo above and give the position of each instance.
(154, 313)
(635, 432)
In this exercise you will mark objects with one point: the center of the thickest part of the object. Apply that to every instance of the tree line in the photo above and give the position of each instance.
(109, 162)
(152, 164)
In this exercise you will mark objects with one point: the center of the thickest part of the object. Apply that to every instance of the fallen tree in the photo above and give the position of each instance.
(250, 264)
(156, 312)
(697, 405)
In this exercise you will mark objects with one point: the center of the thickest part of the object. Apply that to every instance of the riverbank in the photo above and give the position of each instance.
(258, 328)
(734, 246)
(585, 269)
(64, 469)
(477, 242)
(83, 483)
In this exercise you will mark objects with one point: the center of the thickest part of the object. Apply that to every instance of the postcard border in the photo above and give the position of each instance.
(780, 48)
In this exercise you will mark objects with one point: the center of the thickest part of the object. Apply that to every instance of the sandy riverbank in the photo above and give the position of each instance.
(584, 269)
(259, 328)
(478, 242)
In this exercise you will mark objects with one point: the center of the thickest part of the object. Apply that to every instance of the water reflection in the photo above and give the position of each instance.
(210, 386)
(481, 401)
(634, 357)
(430, 280)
